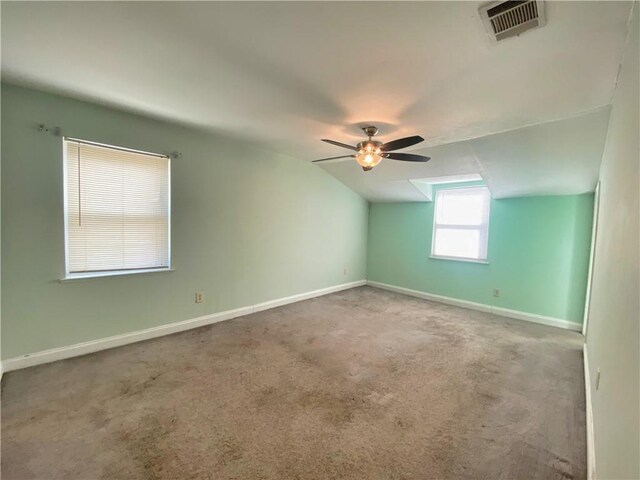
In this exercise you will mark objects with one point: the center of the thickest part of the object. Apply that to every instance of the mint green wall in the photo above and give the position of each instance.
(538, 254)
(248, 226)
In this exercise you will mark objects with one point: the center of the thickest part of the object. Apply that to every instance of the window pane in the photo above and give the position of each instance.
(451, 242)
(462, 206)
(117, 205)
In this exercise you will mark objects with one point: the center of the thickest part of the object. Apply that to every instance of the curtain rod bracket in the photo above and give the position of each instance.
(55, 131)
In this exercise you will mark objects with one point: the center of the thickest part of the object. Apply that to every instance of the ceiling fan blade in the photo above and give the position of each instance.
(406, 157)
(401, 143)
(333, 158)
(343, 145)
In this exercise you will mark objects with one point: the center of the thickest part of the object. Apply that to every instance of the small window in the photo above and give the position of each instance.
(117, 205)
(461, 223)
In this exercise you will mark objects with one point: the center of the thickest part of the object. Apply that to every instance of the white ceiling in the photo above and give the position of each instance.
(286, 74)
(554, 158)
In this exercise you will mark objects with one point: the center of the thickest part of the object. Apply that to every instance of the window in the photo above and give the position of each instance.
(461, 223)
(117, 205)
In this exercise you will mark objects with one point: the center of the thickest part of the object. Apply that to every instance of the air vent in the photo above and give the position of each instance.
(511, 18)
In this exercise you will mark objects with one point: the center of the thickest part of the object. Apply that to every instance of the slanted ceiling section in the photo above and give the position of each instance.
(554, 158)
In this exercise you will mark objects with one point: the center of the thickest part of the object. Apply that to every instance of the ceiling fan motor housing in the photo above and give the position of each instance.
(369, 146)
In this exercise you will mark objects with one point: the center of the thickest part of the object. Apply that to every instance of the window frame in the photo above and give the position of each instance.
(70, 276)
(483, 228)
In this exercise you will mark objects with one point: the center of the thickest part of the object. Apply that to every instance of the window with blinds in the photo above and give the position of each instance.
(461, 223)
(117, 204)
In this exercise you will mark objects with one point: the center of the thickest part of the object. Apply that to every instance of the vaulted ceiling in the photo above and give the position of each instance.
(527, 114)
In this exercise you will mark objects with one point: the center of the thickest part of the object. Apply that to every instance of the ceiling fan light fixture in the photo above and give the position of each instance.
(368, 159)
(369, 155)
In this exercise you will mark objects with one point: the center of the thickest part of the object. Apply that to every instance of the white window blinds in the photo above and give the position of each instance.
(116, 208)
(461, 224)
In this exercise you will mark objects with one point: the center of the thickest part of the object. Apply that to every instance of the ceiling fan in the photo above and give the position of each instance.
(370, 152)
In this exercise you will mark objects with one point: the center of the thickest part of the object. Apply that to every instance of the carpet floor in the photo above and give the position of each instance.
(360, 384)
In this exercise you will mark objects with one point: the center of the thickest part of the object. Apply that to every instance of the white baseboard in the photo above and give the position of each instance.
(591, 453)
(305, 296)
(505, 312)
(92, 346)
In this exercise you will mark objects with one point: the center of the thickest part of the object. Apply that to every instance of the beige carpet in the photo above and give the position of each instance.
(361, 384)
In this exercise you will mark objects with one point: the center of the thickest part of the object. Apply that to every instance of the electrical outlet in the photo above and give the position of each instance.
(597, 379)
(496, 292)
(344, 272)
(199, 297)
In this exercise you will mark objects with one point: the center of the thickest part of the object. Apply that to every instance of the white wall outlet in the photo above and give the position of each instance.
(344, 272)
(496, 292)
(199, 297)
(597, 379)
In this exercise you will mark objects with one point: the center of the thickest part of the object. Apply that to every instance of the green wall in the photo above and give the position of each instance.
(248, 226)
(538, 254)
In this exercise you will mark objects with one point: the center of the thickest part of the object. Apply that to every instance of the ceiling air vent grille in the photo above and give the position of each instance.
(513, 17)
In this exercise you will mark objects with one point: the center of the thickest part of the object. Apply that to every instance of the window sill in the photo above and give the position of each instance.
(116, 273)
(460, 259)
